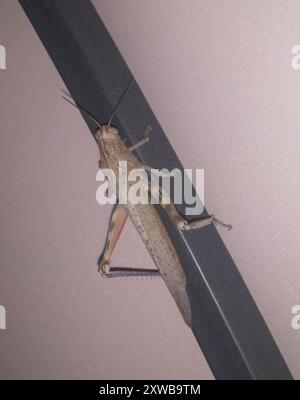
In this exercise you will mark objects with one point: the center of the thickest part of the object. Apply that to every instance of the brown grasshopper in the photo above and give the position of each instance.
(145, 219)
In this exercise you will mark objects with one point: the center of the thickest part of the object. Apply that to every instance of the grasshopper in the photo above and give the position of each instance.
(145, 219)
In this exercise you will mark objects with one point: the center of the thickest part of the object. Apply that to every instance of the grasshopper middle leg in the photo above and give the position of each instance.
(179, 220)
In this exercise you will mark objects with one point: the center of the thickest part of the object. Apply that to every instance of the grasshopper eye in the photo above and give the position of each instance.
(113, 130)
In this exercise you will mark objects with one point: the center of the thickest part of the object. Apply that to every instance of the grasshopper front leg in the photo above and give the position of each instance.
(141, 142)
(117, 222)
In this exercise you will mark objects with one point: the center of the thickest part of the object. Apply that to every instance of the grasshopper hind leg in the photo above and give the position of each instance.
(117, 222)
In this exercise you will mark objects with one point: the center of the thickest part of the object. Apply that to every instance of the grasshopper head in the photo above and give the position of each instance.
(106, 132)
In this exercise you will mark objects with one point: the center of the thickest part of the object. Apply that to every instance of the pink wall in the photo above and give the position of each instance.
(218, 76)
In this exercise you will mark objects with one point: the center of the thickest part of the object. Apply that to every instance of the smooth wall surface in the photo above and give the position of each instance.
(220, 79)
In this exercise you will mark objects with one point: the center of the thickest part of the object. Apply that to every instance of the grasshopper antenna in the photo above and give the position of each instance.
(119, 102)
(86, 112)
